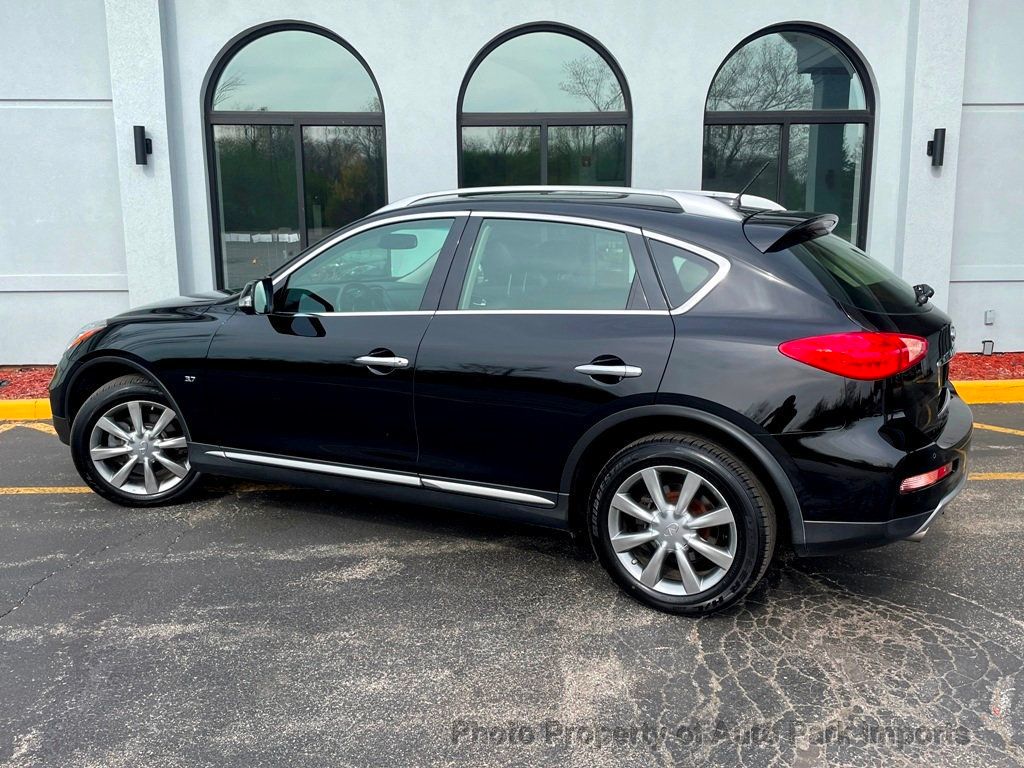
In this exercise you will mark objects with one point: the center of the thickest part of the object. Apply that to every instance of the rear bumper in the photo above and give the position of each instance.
(871, 511)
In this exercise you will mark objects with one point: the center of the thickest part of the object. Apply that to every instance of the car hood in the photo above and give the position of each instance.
(180, 305)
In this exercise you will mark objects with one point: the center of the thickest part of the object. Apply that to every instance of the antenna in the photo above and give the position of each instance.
(736, 202)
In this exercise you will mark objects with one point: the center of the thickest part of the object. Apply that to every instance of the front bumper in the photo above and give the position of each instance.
(867, 509)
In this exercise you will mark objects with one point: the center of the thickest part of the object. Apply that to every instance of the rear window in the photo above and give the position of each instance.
(853, 278)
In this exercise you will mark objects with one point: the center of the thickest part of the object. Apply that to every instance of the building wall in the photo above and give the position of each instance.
(62, 257)
(419, 57)
(84, 232)
(988, 260)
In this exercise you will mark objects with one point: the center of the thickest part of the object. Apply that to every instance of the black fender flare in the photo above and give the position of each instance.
(768, 462)
(130, 362)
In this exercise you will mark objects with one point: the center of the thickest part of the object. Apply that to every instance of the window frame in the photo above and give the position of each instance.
(294, 120)
(544, 120)
(435, 283)
(785, 119)
(642, 262)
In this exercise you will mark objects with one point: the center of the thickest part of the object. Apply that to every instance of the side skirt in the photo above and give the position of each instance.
(520, 505)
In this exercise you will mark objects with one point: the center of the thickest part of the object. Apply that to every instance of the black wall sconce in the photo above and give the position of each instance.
(143, 145)
(937, 146)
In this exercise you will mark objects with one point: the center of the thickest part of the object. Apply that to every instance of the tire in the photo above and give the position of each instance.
(652, 535)
(160, 472)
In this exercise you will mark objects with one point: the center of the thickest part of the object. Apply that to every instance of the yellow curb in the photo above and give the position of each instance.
(972, 392)
(978, 392)
(25, 409)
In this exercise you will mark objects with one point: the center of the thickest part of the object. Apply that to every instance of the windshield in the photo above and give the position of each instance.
(853, 278)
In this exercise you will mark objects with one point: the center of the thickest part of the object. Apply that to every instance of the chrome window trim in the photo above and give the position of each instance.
(329, 243)
(397, 478)
(474, 312)
(724, 265)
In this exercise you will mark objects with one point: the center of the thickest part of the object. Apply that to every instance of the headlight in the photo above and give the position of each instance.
(84, 333)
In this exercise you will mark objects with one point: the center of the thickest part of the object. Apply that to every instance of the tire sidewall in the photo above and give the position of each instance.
(750, 536)
(81, 430)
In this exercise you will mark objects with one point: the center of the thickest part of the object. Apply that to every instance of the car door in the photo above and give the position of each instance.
(547, 325)
(328, 374)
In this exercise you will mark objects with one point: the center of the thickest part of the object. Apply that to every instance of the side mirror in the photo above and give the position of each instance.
(257, 297)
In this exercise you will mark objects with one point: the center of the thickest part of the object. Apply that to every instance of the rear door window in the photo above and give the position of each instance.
(520, 264)
(854, 279)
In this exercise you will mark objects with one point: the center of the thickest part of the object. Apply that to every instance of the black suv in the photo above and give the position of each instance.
(691, 383)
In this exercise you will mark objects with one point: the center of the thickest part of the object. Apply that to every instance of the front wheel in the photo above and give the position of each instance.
(130, 445)
(681, 524)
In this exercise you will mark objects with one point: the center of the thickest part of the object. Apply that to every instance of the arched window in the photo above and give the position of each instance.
(296, 146)
(797, 98)
(544, 104)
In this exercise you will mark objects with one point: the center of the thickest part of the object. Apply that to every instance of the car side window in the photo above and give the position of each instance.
(381, 270)
(682, 273)
(521, 264)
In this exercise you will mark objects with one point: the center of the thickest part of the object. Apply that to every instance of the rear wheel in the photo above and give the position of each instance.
(130, 445)
(681, 524)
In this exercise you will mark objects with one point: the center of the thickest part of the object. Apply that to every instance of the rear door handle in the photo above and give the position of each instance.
(615, 371)
(373, 361)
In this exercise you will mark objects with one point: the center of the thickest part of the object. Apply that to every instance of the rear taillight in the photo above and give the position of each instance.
(917, 482)
(863, 355)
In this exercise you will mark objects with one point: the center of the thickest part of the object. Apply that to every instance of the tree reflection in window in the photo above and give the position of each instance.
(793, 97)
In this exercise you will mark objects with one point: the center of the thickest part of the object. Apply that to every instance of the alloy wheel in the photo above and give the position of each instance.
(139, 448)
(672, 530)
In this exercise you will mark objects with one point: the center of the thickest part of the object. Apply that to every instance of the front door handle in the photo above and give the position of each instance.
(613, 371)
(375, 361)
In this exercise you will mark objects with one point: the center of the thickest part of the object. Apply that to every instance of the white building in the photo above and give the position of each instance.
(274, 122)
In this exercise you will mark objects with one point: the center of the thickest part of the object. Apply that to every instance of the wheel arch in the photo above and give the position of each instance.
(614, 432)
(97, 371)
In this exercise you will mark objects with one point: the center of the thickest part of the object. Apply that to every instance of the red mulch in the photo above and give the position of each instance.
(1003, 365)
(24, 381)
(30, 381)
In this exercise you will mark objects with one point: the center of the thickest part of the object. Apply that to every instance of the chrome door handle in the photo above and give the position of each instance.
(616, 371)
(373, 361)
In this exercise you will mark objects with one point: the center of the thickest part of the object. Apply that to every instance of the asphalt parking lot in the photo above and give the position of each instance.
(261, 626)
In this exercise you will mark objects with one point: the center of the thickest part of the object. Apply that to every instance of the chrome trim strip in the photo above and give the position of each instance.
(557, 218)
(397, 478)
(920, 532)
(486, 491)
(363, 228)
(723, 263)
(389, 313)
(471, 312)
(317, 466)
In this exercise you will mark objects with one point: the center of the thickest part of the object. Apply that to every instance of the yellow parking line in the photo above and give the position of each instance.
(1004, 430)
(29, 489)
(18, 490)
(39, 426)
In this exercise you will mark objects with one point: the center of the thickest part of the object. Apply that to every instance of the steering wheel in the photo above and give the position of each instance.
(363, 297)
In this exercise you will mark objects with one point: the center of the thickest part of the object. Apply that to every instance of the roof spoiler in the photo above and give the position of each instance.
(771, 231)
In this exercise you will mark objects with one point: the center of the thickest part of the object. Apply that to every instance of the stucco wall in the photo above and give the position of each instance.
(62, 258)
(988, 260)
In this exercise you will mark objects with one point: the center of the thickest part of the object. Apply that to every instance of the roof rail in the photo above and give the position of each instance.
(699, 203)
